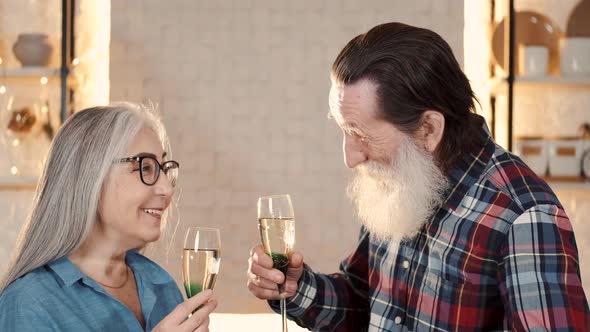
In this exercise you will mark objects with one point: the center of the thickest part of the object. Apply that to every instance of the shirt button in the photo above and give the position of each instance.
(398, 320)
(406, 264)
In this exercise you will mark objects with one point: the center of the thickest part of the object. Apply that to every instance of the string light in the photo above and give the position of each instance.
(44, 80)
(15, 142)
(14, 170)
(75, 62)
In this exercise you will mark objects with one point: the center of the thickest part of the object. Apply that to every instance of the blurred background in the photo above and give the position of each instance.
(242, 86)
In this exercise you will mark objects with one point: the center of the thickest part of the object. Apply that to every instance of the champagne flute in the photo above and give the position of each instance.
(276, 223)
(201, 257)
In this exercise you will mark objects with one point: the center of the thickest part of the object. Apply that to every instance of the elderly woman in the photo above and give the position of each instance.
(102, 196)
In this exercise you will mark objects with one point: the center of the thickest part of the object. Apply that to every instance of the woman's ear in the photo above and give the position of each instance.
(432, 129)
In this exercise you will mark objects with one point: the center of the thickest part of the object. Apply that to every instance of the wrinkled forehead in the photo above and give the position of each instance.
(358, 100)
(335, 100)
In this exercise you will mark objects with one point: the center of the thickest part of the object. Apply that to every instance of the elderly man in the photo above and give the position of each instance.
(457, 233)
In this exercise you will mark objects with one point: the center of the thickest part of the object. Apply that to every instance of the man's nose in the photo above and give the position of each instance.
(353, 152)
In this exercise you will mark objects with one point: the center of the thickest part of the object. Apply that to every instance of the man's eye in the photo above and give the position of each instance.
(354, 133)
(358, 135)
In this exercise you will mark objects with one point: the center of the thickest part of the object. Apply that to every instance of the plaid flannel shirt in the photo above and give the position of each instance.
(500, 254)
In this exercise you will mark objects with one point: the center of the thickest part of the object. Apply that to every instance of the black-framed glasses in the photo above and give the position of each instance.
(149, 169)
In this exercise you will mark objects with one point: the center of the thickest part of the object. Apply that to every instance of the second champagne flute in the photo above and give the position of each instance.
(276, 223)
(201, 257)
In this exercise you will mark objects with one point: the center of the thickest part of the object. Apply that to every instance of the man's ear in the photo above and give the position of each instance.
(432, 129)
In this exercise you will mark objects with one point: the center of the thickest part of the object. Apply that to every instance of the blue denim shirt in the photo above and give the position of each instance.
(59, 297)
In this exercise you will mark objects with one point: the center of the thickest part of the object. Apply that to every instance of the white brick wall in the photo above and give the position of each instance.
(243, 89)
(229, 77)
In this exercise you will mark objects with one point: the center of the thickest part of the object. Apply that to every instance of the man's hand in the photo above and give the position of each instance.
(263, 280)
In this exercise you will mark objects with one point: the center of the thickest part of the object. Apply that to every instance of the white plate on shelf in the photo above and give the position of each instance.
(532, 28)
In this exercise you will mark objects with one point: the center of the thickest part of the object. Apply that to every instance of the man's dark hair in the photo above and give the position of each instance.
(415, 71)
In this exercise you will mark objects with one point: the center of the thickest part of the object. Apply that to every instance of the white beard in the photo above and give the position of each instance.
(395, 201)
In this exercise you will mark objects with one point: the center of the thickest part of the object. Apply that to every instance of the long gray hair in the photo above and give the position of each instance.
(66, 201)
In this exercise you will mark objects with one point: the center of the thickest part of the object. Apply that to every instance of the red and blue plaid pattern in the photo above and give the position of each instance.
(500, 254)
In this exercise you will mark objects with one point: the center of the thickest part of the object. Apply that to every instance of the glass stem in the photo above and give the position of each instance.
(284, 314)
(283, 306)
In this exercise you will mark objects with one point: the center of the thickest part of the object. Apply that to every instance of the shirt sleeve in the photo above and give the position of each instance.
(334, 302)
(540, 275)
(21, 313)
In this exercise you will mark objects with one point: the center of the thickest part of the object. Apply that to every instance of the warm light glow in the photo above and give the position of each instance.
(15, 142)
(14, 170)
(0, 60)
(90, 67)
(477, 50)
(2, 89)
(44, 109)
(44, 80)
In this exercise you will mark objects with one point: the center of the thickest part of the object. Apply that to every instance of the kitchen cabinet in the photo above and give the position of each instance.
(518, 41)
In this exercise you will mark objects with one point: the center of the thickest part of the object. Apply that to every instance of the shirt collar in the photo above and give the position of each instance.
(145, 267)
(469, 169)
(70, 273)
(66, 270)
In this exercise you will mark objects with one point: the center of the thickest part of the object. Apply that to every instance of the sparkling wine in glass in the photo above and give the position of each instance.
(276, 223)
(201, 257)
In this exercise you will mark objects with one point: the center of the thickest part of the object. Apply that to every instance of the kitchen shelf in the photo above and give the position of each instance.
(62, 74)
(29, 72)
(563, 80)
(506, 83)
(498, 85)
(18, 182)
(555, 185)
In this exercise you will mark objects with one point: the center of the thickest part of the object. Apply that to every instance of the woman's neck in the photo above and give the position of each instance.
(101, 259)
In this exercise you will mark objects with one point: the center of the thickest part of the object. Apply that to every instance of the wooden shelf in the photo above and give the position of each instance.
(561, 80)
(29, 72)
(568, 183)
(18, 182)
(498, 85)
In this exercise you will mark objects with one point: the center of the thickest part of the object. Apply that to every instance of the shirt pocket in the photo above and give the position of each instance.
(453, 285)
(436, 281)
(452, 281)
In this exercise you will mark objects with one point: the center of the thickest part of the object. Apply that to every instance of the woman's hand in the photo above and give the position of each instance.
(198, 322)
